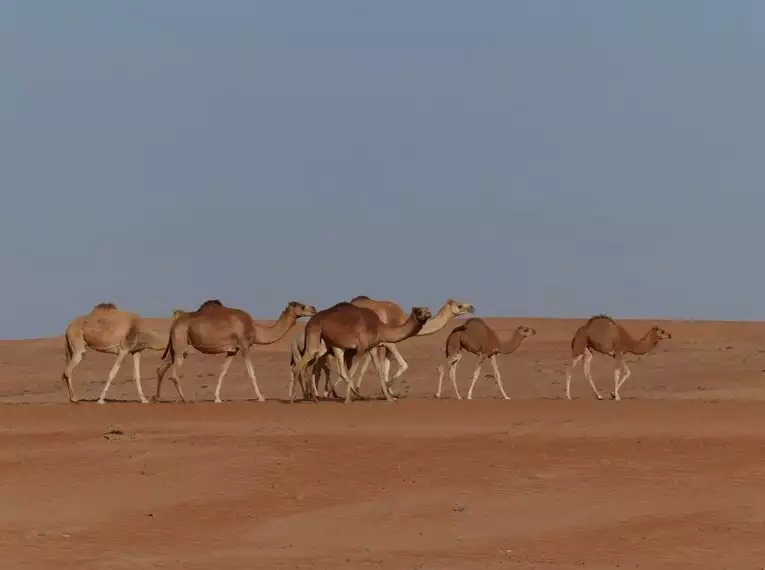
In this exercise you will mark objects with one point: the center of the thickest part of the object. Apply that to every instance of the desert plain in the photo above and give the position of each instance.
(672, 476)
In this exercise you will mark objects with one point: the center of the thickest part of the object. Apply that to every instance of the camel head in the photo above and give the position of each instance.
(659, 333)
(421, 314)
(525, 331)
(178, 313)
(457, 308)
(298, 309)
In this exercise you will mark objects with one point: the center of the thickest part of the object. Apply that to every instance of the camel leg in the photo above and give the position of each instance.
(137, 377)
(251, 371)
(569, 372)
(340, 363)
(493, 360)
(402, 365)
(476, 372)
(627, 373)
(440, 380)
(385, 363)
(453, 373)
(617, 373)
(451, 361)
(222, 375)
(174, 369)
(113, 373)
(380, 366)
(364, 365)
(77, 357)
(161, 371)
(588, 372)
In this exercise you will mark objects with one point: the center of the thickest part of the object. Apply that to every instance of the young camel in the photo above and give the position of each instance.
(387, 312)
(345, 327)
(108, 330)
(478, 338)
(602, 334)
(217, 329)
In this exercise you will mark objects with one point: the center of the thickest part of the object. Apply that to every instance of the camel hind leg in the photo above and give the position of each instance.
(570, 371)
(476, 372)
(74, 353)
(588, 372)
(222, 375)
(619, 383)
(137, 377)
(495, 368)
(113, 373)
(245, 350)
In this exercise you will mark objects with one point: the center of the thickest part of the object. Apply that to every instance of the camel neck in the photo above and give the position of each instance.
(398, 333)
(436, 323)
(644, 344)
(262, 334)
(511, 345)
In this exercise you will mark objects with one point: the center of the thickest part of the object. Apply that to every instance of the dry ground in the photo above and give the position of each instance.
(671, 477)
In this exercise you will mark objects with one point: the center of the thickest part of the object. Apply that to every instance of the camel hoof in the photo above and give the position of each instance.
(261, 400)
(218, 401)
(144, 401)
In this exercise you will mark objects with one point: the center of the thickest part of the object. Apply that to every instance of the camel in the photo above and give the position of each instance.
(345, 327)
(109, 330)
(604, 335)
(387, 311)
(217, 329)
(477, 337)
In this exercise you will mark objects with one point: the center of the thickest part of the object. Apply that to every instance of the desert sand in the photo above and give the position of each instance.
(670, 477)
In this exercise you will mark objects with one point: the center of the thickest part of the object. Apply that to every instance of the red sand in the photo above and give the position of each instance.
(671, 477)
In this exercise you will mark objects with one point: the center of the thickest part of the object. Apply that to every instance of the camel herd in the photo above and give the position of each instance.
(345, 336)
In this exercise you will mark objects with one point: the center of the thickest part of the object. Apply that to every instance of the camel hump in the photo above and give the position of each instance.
(360, 298)
(600, 316)
(106, 306)
(210, 303)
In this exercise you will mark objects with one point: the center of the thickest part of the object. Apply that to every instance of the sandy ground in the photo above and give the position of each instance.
(670, 477)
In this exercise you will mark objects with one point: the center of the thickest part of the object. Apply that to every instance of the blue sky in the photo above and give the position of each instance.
(547, 158)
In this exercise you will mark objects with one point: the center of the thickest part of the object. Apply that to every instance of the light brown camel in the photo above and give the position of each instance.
(602, 334)
(387, 311)
(391, 313)
(108, 330)
(345, 327)
(217, 329)
(476, 337)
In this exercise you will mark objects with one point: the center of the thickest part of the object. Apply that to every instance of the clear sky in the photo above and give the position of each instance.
(550, 158)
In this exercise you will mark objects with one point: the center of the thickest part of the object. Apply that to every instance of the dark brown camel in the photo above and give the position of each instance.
(344, 327)
(604, 335)
(477, 337)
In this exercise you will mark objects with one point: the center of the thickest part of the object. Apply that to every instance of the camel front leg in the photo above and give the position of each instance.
(588, 372)
(493, 360)
(343, 372)
(137, 377)
(476, 372)
(112, 374)
(251, 371)
(222, 375)
(569, 373)
(453, 373)
(402, 365)
(380, 366)
(619, 385)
